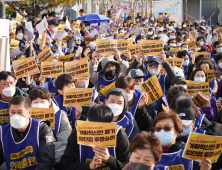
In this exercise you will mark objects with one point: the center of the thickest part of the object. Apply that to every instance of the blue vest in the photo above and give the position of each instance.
(199, 120)
(87, 154)
(101, 83)
(186, 71)
(198, 130)
(57, 122)
(21, 155)
(212, 56)
(4, 113)
(212, 83)
(51, 87)
(71, 111)
(136, 100)
(175, 161)
(127, 123)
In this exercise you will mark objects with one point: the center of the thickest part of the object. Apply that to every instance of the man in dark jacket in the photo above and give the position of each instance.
(26, 143)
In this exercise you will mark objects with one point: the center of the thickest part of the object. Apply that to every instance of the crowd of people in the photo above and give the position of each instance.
(149, 136)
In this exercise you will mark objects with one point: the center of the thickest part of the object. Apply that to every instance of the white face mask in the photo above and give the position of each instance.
(152, 18)
(83, 84)
(172, 37)
(185, 49)
(173, 45)
(199, 79)
(150, 33)
(116, 108)
(201, 43)
(8, 91)
(153, 71)
(220, 65)
(17, 121)
(146, 20)
(184, 26)
(55, 29)
(188, 40)
(138, 88)
(19, 36)
(179, 44)
(95, 67)
(41, 105)
(138, 42)
(129, 96)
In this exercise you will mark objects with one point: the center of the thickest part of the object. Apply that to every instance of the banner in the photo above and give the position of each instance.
(115, 14)
(77, 96)
(207, 54)
(65, 58)
(210, 75)
(78, 69)
(77, 24)
(45, 114)
(51, 69)
(107, 88)
(152, 88)
(175, 62)
(114, 28)
(103, 29)
(135, 31)
(218, 30)
(191, 44)
(202, 147)
(217, 74)
(13, 44)
(18, 18)
(193, 87)
(119, 20)
(106, 46)
(152, 47)
(122, 46)
(90, 39)
(45, 55)
(23, 65)
(120, 36)
(198, 100)
(132, 49)
(194, 35)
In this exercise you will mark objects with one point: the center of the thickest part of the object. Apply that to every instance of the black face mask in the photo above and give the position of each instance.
(110, 73)
(139, 166)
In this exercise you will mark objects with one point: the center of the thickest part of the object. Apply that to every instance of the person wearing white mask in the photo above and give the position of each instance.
(41, 98)
(186, 62)
(117, 100)
(198, 75)
(201, 42)
(8, 90)
(136, 101)
(27, 135)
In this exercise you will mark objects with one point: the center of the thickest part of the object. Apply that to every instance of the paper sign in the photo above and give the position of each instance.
(193, 87)
(67, 25)
(194, 35)
(132, 49)
(45, 114)
(106, 89)
(77, 24)
(130, 40)
(202, 147)
(60, 27)
(78, 69)
(199, 101)
(175, 62)
(77, 96)
(96, 133)
(42, 26)
(191, 44)
(106, 46)
(65, 58)
(152, 47)
(210, 75)
(217, 74)
(45, 55)
(115, 14)
(60, 35)
(135, 31)
(207, 54)
(28, 33)
(120, 36)
(209, 38)
(114, 28)
(152, 88)
(93, 33)
(28, 26)
(51, 69)
(12, 26)
(26, 64)
(175, 50)
(122, 46)
(18, 18)
(160, 19)
(218, 30)
(78, 52)
(14, 44)
(119, 20)
(90, 39)
(15, 52)
(103, 29)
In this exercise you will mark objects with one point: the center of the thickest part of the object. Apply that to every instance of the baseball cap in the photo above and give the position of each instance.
(152, 58)
(53, 22)
(178, 79)
(187, 117)
(135, 73)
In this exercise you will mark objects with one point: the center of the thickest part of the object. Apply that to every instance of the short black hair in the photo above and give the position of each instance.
(180, 54)
(62, 80)
(39, 92)
(100, 113)
(216, 43)
(82, 10)
(18, 28)
(51, 14)
(116, 93)
(217, 58)
(20, 100)
(44, 15)
(66, 17)
(201, 37)
(73, 21)
(4, 75)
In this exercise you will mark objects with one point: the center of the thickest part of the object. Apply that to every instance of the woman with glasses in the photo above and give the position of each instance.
(167, 126)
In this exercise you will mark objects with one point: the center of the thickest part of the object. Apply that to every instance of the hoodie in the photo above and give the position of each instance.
(132, 128)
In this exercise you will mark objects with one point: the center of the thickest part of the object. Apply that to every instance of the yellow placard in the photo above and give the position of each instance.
(175, 50)
(65, 58)
(96, 133)
(77, 24)
(77, 96)
(90, 39)
(207, 54)
(217, 74)
(40, 39)
(78, 69)
(122, 46)
(14, 44)
(202, 147)
(45, 114)
(45, 55)
(107, 88)
(210, 75)
(120, 36)
(171, 20)
(152, 88)
(26, 64)
(130, 40)
(193, 87)
(199, 101)
(132, 49)
(12, 26)
(220, 39)
(18, 18)
(152, 47)
(175, 61)
(106, 46)
(51, 69)
(60, 27)
(160, 19)
(66, 38)
(169, 15)
(191, 44)
(218, 30)
(194, 35)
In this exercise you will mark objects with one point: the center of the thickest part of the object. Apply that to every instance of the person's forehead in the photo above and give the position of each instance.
(17, 106)
(113, 96)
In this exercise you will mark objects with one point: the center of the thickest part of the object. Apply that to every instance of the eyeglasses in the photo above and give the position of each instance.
(165, 128)
(153, 64)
